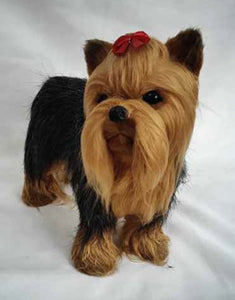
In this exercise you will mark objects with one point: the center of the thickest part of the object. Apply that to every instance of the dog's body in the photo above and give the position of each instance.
(52, 145)
(122, 150)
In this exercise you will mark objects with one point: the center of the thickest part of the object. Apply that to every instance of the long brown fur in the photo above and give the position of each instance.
(161, 135)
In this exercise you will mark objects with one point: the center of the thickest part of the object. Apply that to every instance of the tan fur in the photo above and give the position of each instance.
(145, 242)
(140, 177)
(98, 256)
(49, 189)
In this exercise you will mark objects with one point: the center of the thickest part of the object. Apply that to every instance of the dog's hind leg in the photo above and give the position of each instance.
(48, 189)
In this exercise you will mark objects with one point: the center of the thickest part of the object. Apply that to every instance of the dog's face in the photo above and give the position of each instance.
(140, 111)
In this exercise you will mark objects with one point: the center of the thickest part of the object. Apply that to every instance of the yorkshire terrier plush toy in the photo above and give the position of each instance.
(120, 140)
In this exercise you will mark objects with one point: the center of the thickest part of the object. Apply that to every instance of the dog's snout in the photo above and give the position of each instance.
(118, 113)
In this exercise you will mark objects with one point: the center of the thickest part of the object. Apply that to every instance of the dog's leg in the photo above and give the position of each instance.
(48, 189)
(147, 242)
(94, 251)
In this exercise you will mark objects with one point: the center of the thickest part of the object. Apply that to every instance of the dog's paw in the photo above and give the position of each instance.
(97, 257)
(147, 244)
(34, 199)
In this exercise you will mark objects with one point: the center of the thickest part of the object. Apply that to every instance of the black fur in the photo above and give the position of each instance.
(93, 217)
(55, 126)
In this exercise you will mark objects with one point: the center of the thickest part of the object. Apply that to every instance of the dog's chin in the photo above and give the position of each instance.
(120, 143)
(120, 147)
(120, 137)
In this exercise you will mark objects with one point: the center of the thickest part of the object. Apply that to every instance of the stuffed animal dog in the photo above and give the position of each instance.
(120, 140)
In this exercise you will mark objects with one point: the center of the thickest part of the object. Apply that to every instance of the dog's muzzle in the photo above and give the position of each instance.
(118, 113)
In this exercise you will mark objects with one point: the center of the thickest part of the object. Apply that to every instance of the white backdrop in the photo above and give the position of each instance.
(41, 38)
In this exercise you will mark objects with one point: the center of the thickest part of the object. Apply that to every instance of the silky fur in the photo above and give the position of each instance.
(151, 166)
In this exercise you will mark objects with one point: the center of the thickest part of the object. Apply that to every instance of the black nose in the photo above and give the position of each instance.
(118, 114)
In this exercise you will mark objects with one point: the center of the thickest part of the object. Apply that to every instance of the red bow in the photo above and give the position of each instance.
(136, 39)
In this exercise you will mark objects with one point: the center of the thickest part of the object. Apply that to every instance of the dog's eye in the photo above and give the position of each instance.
(101, 98)
(152, 97)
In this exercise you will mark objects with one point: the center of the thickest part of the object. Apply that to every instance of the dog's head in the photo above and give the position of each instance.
(140, 111)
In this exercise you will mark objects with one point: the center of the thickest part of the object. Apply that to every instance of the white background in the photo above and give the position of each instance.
(45, 37)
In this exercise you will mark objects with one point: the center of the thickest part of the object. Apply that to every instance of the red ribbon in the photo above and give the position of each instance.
(136, 39)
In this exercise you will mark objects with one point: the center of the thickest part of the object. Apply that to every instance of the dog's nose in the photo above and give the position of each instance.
(118, 113)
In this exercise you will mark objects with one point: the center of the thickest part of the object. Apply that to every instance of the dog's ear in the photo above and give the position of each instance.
(95, 52)
(187, 48)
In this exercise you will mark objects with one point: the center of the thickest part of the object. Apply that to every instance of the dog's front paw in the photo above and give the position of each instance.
(149, 244)
(97, 257)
